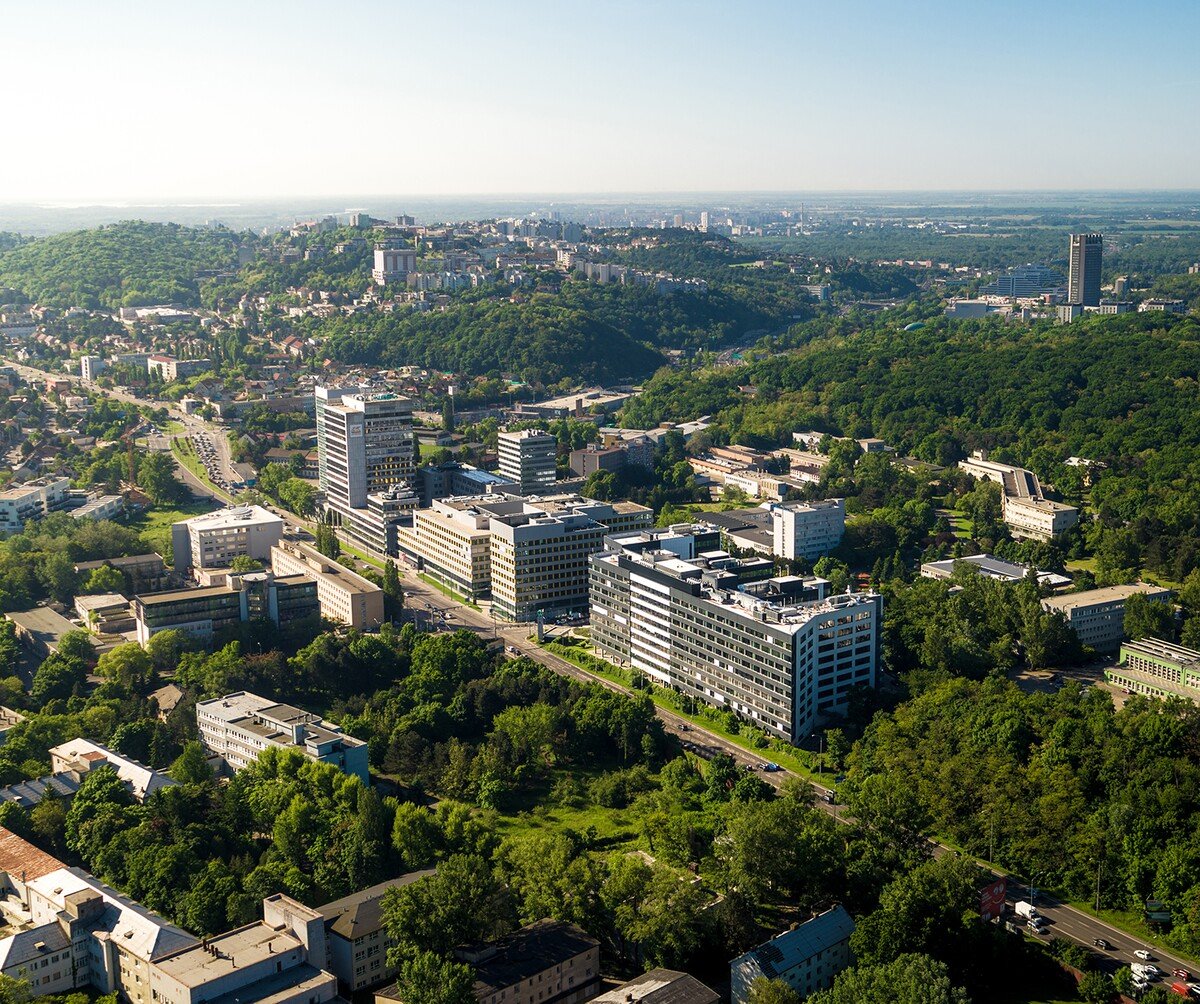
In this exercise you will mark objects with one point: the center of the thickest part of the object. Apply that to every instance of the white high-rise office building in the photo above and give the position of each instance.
(780, 653)
(807, 530)
(530, 458)
(367, 460)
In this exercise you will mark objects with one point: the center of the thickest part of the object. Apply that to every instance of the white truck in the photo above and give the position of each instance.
(1025, 910)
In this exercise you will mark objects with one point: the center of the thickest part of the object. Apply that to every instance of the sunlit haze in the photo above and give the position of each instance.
(136, 100)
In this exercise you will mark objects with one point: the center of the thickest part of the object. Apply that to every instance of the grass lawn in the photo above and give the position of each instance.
(155, 524)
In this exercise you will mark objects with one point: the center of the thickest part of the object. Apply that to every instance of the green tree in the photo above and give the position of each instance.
(1096, 988)
(156, 477)
(428, 978)
(191, 766)
(1145, 618)
(908, 979)
(327, 542)
(245, 563)
(104, 579)
(128, 664)
(766, 991)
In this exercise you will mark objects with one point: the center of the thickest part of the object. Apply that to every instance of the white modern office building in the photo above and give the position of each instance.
(216, 538)
(807, 530)
(367, 454)
(393, 264)
(343, 595)
(32, 500)
(530, 459)
(1026, 510)
(781, 653)
(239, 726)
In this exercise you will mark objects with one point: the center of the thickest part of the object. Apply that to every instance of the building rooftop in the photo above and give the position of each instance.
(224, 954)
(993, 568)
(1105, 594)
(18, 857)
(231, 518)
(131, 561)
(786, 950)
(326, 568)
(142, 780)
(660, 986)
(507, 961)
(44, 624)
(298, 983)
(28, 946)
(362, 912)
(1162, 650)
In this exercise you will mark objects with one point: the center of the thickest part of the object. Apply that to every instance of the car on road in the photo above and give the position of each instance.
(1101, 943)
(831, 797)
(770, 768)
(1182, 974)
(1144, 955)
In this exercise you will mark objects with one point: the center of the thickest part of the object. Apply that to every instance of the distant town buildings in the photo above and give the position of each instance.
(1026, 280)
(1097, 616)
(781, 653)
(239, 726)
(1086, 258)
(393, 264)
(806, 958)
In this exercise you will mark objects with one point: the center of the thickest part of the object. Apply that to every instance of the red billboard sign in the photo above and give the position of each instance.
(991, 899)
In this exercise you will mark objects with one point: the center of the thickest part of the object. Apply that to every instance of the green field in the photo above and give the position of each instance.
(155, 524)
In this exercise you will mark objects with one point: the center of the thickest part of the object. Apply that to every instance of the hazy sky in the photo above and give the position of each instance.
(259, 98)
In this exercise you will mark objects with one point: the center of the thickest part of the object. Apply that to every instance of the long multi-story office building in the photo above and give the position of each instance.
(529, 554)
(284, 600)
(782, 653)
(344, 595)
(1086, 259)
(1025, 280)
(367, 454)
(1158, 669)
(1026, 510)
(530, 458)
(239, 726)
(1097, 616)
(216, 538)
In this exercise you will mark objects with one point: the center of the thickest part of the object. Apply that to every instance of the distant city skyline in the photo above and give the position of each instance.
(142, 101)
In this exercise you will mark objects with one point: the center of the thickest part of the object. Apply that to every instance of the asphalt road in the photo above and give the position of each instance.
(433, 609)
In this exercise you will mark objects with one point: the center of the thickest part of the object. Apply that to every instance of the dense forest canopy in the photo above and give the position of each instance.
(123, 265)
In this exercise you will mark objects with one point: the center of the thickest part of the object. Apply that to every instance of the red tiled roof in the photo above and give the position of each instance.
(19, 858)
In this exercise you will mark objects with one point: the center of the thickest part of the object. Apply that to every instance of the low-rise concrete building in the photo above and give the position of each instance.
(992, 568)
(1098, 615)
(1026, 510)
(216, 538)
(239, 726)
(549, 961)
(19, 504)
(284, 600)
(343, 595)
(660, 986)
(1157, 669)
